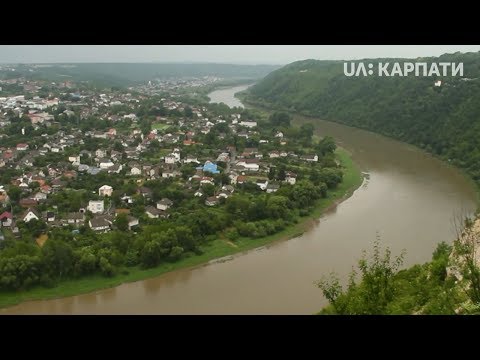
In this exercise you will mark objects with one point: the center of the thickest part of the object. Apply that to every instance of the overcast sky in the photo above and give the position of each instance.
(233, 54)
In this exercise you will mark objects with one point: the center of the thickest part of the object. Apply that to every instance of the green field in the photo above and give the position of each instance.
(160, 126)
(216, 249)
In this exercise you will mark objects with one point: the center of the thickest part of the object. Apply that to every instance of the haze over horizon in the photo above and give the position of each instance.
(225, 54)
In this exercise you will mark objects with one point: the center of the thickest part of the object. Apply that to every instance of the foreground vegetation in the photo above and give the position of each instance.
(448, 284)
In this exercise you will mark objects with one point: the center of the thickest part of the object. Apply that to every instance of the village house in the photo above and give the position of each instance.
(105, 190)
(28, 202)
(22, 147)
(100, 153)
(170, 159)
(210, 167)
(249, 164)
(211, 201)
(96, 206)
(76, 218)
(164, 204)
(190, 159)
(6, 219)
(100, 224)
(115, 169)
(262, 184)
(132, 221)
(271, 188)
(145, 192)
(39, 196)
(248, 124)
(135, 170)
(105, 164)
(170, 173)
(154, 213)
(224, 194)
(290, 178)
(30, 214)
(312, 158)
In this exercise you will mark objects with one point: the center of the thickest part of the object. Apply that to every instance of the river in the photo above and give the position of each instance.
(409, 201)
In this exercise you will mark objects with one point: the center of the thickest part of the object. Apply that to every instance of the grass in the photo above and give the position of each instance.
(159, 126)
(216, 249)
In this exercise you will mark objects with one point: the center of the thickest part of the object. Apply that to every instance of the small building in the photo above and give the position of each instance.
(132, 221)
(105, 190)
(290, 178)
(271, 188)
(211, 201)
(105, 164)
(6, 219)
(164, 204)
(145, 192)
(210, 167)
(27, 203)
(76, 218)
(30, 214)
(154, 213)
(100, 224)
(262, 184)
(96, 206)
(170, 159)
(190, 159)
(22, 147)
(50, 216)
(311, 158)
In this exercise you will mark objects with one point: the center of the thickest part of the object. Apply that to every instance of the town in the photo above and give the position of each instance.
(77, 162)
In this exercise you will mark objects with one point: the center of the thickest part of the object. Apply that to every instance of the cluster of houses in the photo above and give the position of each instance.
(38, 184)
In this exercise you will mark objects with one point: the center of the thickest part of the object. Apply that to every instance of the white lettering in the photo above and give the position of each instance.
(457, 68)
(397, 70)
(417, 69)
(382, 69)
(444, 66)
(408, 68)
(361, 68)
(434, 70)
(345, 69)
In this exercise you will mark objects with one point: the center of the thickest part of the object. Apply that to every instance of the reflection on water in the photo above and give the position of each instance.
(409, 200)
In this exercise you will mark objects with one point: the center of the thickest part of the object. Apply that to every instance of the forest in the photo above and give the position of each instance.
(443, 120)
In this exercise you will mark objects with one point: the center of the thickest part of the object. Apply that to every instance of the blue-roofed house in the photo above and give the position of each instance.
(210, 167)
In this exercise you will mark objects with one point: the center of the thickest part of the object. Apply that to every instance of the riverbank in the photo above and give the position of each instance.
(299, 115)
(218, 248)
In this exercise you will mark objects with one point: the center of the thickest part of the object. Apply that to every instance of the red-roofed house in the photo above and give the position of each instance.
(22, 147)
(6, 219)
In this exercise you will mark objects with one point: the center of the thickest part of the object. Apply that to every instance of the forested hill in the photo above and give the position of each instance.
(444, 120)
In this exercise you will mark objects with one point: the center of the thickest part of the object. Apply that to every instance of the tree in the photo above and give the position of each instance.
(58, 257)
(151, 254)
(271, 173)
(373, 293)
(117, 146)
(326, 145)
(188, 112)
(121, 222)
(280, 119)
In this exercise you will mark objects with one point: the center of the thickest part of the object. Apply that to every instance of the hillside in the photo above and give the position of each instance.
(443, 120)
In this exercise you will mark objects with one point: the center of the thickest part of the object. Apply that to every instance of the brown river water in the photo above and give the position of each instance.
(409, 200)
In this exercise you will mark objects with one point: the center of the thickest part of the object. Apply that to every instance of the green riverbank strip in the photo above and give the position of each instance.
(219, 248)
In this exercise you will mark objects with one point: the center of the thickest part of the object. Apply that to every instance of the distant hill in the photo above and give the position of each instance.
(125, 73)
(444, 120)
